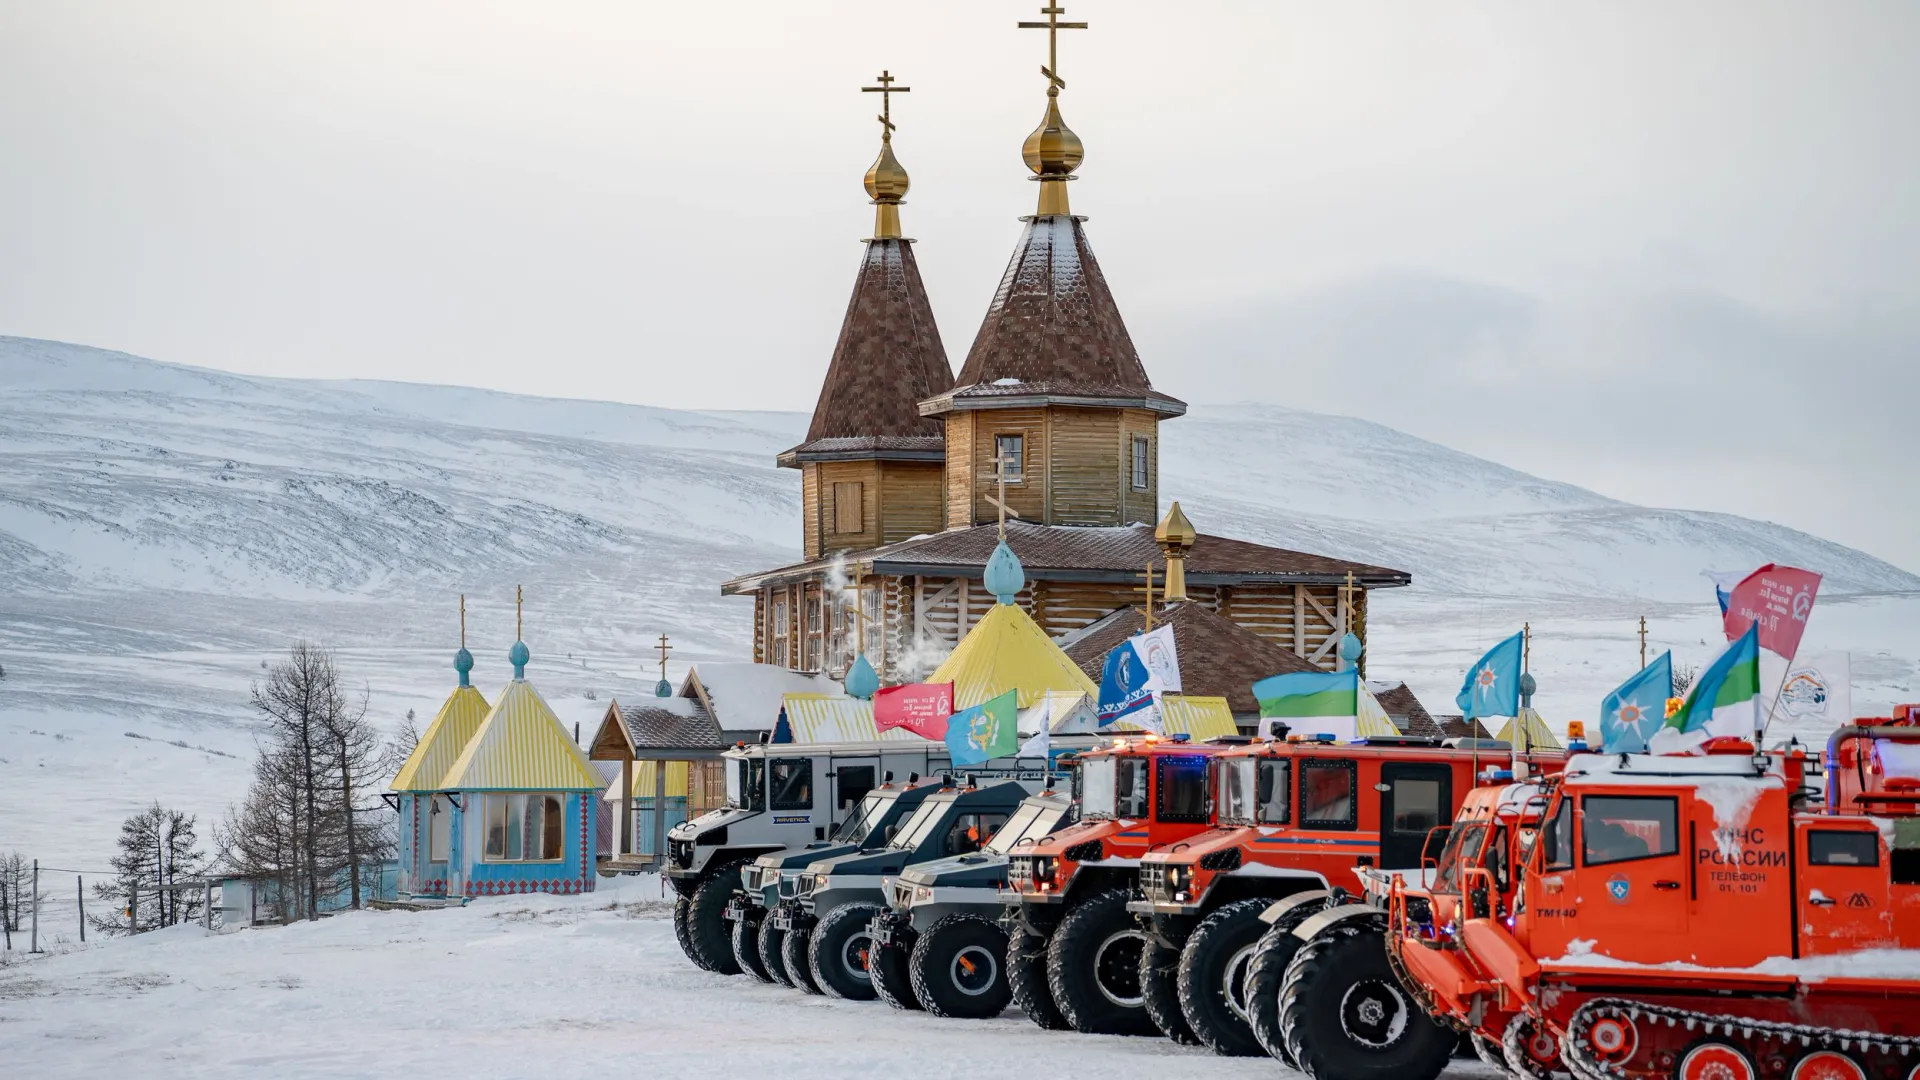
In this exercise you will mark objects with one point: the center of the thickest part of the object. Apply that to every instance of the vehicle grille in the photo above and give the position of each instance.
(1157, 882)
(1020, 873)
(902, 895)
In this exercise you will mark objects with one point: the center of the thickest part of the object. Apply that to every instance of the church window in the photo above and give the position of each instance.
(1010, 453)
(848, 514)
(524, 828)
(439, 830)
(1142, 463)
(778, 630)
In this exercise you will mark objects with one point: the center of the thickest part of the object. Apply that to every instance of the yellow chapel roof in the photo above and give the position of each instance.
(452, 727)
(521, 746)
(1007, 650)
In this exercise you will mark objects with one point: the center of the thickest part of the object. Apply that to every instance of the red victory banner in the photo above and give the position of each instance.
(1778, 599)
(921, 708)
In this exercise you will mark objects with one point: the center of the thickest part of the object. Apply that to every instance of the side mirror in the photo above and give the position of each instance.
(891, 829)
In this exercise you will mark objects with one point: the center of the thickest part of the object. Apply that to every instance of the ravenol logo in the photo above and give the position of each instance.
(1619, 888)
(800, 819)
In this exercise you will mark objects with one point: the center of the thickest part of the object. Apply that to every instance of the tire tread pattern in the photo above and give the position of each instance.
(1159, 986)
(706, 906)
(1331, 956)
(1269, 970)
(826, 936)
(1203, 999)
(1027, 977)
(921, 965)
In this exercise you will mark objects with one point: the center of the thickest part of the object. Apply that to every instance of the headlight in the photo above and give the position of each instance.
(1043, 869)
(922, 892)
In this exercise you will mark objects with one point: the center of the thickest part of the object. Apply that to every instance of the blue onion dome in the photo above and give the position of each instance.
(1350, 647)
(1004, 575)
(663, 688)
(862, 680)
(518, 657)
(463, 663)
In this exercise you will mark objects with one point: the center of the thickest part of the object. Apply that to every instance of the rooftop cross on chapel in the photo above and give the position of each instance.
(1053, 151)
(887, 179)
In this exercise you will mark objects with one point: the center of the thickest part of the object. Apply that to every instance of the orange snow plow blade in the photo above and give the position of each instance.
(1441, 971)
(1500, 954)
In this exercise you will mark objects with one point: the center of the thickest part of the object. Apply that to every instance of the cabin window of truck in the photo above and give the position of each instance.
(1237, 782)
(1416, 806)
(1275, 794)
(1326, 794)
(1622, 828)
(1556, 840)
(1183, 790)
(792, 783)
(1843, 847)
(745, 783)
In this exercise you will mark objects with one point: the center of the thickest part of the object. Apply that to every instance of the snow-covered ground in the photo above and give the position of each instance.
(166, 530)
(521, 987)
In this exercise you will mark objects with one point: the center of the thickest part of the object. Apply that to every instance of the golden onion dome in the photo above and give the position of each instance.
(1053, 149)
(886, 178)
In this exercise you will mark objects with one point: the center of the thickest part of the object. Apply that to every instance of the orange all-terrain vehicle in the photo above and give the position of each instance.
(1073, 951)
(1712, 917)
(1294, 821)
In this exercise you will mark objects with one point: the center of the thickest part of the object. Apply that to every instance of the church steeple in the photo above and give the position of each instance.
(871, 462)
(1052, 378)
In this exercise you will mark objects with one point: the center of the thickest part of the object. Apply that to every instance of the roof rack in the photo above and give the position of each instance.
(1230, 740)
(1397, 740)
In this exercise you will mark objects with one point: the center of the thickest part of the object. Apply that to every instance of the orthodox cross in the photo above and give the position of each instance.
(1053, 26)
(664, 650)
(463, 620)
(886, 90)
(1148, 610)
(999, 502)
(517, 635)
(1526, 646)
(1643, 641)
(1346, 612)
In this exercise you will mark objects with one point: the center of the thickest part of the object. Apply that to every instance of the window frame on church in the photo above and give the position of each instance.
(1018, 471)
(780, 629)
(849, 507)
(523, 827)
(1142, 470)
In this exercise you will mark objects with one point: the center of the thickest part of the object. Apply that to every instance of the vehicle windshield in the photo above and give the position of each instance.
(1031, 822)
(1237, 790)
(1183, 790)
(921, 824)
(859, 824)
(746, 784)
(1096, 787)
(1462, 850)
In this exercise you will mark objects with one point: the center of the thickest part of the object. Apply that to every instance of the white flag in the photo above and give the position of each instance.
(1816, 694)
(1161, 659)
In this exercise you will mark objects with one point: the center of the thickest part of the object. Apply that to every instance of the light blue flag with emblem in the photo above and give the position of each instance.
(1636, 709)
(1126, 686)
(1492, 686)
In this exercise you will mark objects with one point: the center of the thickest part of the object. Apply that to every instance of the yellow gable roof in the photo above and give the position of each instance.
(815, 718)
(1006, 650)
(1199, 718)
(449, 733)
(1527, 731)
(521, 746)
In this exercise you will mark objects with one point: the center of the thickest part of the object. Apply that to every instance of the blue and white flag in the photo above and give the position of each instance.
(1492, 686)
(1723, 583)
(1635, 710)
(1126, 686)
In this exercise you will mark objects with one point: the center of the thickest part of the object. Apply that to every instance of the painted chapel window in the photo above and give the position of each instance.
(523, 828)
(552, 823)
(1011, 452)
(1142, 472)
(439, 830)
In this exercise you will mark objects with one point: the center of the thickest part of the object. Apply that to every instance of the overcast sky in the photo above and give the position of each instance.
(1667, 251)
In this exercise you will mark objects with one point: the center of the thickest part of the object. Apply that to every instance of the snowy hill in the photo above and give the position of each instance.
(164, 529)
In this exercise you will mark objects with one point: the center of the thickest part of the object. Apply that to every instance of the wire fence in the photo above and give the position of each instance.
(52, 910)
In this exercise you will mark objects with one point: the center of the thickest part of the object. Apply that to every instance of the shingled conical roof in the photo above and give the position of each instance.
(1054, 330)
(888, 359)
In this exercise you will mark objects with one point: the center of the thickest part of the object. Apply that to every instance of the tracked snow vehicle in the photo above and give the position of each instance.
(757, 942)
(1293, 818)
(1703, 918)
(946, 915)
(834, 900)
(1073, 949)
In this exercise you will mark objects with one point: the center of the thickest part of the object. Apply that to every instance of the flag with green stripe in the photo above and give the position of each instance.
(1312, 701)
(1725, 700)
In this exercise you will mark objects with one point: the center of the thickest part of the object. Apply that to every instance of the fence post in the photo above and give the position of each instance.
(80, 901)
(206, 913)
(36, 907)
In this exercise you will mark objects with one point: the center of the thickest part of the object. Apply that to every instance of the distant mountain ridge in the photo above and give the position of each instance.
(125, 473)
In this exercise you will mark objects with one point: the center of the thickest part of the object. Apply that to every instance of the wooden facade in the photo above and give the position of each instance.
(849, 505)
(914, 621)
(1077, 465)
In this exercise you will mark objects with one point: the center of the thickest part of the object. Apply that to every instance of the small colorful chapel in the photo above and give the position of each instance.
(496, 800)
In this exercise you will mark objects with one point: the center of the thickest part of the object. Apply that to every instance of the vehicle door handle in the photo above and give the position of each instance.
(1820, 901)
(1666, 884)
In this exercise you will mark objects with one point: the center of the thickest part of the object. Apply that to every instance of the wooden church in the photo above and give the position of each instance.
(906, 470)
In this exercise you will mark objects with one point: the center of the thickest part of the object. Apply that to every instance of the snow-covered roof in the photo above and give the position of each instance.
(747, 696)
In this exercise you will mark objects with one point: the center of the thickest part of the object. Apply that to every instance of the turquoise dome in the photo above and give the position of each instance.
(862, 680)
(1004, 575)
(463, 663)
(518, 657)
